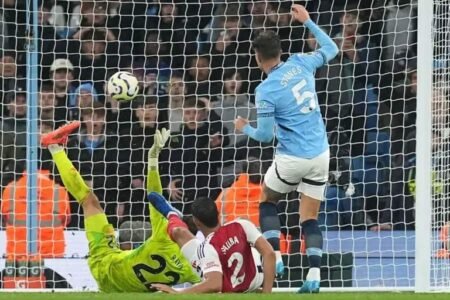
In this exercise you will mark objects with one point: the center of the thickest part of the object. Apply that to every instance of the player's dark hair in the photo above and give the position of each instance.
(205, 210)
(267, 44)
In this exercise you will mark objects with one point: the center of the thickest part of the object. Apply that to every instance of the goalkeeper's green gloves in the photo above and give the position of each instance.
(159, 140)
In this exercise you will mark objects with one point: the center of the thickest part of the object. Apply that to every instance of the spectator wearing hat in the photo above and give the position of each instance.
(84, 97)
(133, 234)
(61, 74)
(13, 135)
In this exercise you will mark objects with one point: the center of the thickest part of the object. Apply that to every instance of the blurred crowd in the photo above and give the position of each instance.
(197, 73)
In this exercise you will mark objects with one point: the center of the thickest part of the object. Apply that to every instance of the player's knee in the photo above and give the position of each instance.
(91, 201)
(181, 235)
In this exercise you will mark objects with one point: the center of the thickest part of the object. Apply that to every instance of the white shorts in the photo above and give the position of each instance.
(308, 176)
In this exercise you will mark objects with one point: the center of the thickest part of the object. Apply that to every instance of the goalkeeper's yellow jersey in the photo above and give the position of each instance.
(158, 260)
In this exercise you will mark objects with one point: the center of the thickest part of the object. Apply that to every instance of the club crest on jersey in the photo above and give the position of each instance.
(229, 243)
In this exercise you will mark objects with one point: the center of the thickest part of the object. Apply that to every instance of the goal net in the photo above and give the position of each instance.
(197, 74)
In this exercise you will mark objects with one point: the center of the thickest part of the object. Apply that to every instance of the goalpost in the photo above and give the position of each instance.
(385, 101)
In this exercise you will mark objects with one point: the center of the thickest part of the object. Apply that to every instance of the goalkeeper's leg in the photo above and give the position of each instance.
(71, 178)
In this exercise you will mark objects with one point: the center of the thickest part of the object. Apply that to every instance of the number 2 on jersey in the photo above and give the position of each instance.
(139, 268)
(235, 280)
(305, 96)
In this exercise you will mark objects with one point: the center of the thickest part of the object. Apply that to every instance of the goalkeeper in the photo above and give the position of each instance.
(158, 260)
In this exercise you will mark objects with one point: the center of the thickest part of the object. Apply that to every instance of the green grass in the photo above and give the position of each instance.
(277, 296)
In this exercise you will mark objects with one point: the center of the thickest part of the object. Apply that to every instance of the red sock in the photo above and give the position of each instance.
(175, 222)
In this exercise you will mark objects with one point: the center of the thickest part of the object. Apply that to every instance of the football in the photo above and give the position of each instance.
(123, 86)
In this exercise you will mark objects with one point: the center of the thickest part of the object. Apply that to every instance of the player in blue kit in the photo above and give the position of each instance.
(287, 99)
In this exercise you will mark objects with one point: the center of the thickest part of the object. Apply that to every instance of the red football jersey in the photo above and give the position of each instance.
(229, 250)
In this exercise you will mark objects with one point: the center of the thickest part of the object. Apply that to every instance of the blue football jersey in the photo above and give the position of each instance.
(289, 95)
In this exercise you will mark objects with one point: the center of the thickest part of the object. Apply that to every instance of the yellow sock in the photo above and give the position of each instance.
(72, 180)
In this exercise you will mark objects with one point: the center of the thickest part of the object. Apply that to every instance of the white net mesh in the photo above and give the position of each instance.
(198, 73)
(440, 155)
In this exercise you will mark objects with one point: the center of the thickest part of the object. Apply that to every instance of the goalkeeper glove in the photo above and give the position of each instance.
(159, 140)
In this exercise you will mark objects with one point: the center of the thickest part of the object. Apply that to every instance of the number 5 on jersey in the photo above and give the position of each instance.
(306, 100)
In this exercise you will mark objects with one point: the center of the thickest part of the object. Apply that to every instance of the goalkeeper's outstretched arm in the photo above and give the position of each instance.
(153, 178)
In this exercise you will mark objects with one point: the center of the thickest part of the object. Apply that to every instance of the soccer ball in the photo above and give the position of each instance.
(123, 86)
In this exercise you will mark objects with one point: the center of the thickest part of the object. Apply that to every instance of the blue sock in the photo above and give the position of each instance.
(160, 203)
(314, 242)
(270, 223)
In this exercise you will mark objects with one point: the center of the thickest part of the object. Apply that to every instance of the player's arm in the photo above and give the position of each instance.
(265, 120)
(153, 179)
(255, 238)
(328, 49)
(212, 283)
(268, 263)
(212, 274)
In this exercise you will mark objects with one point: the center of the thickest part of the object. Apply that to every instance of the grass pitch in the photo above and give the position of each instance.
(276, 296)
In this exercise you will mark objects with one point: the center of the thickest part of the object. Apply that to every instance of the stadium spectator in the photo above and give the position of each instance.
(157, 53)
(95, 152)
(119, 115)
(290, 32)
(13, 139)
(234, 102)
(231, 48)
(84, 97)
(5, 36)
(49, 110)
(359, 60)
(334, 90)
(133, 148)
(402, 103)
(53, 215)
(173, 32)
(194, 157)
(241, 199)
(177, 92)
(92, 55)
(200, 81)
(95, 14)
(61, 74)
(256, 16)
(336, 210)
(8, 73)
(46, 41)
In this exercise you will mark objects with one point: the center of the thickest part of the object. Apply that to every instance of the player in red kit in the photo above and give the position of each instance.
(225, 259)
